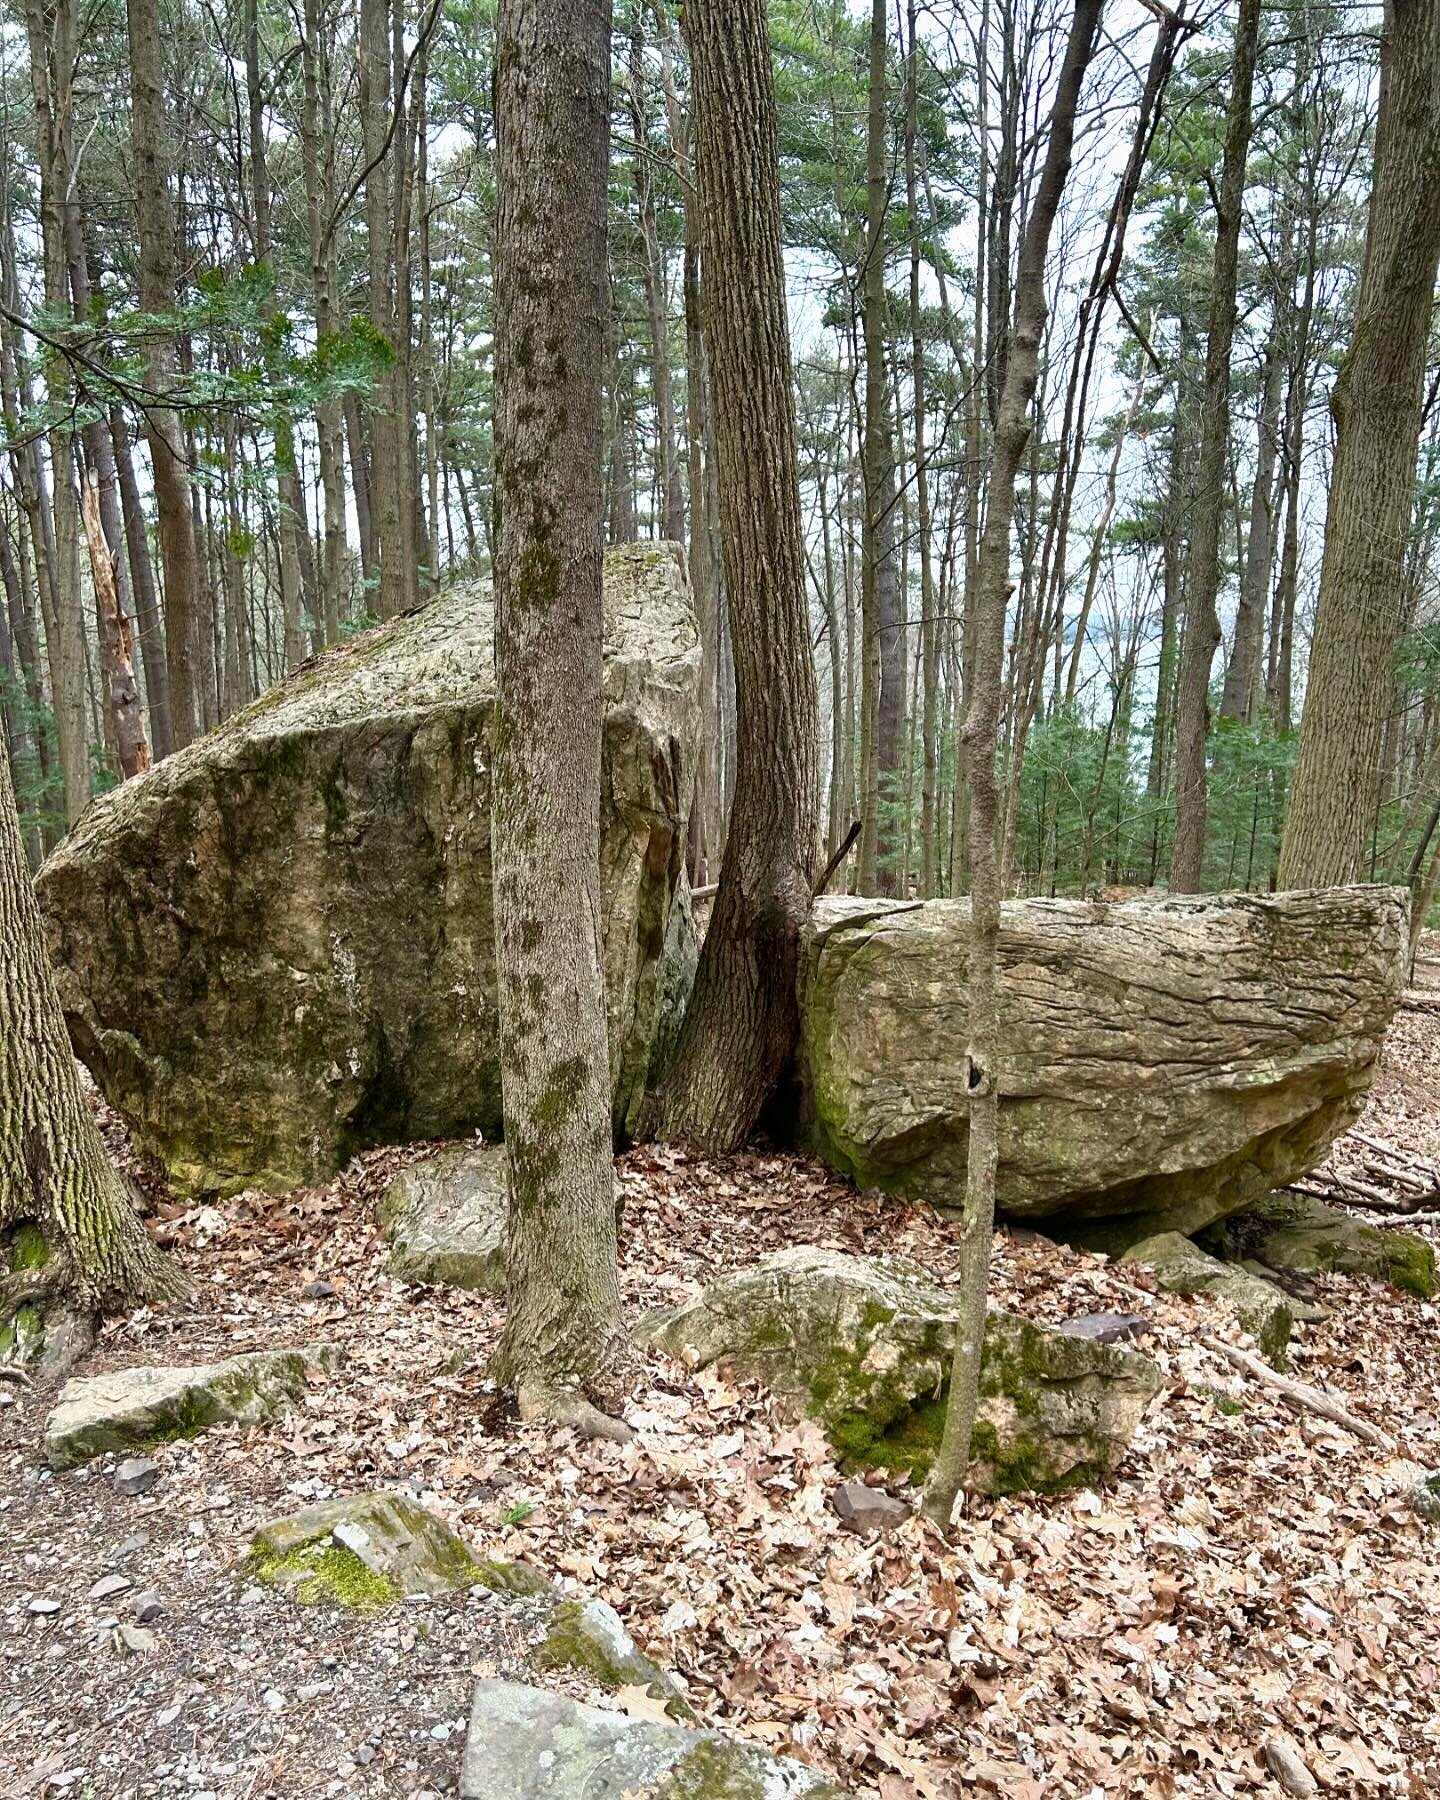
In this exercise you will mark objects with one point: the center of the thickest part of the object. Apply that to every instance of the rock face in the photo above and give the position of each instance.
(1298, 1233)
(444, 1218)
(367, 1550)
(277, 948)
(1182, 1267)
(1176, 1058)
(526, 1744)
(863, 1347)
(127, 1409)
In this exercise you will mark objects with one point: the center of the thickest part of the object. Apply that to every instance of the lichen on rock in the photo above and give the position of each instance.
(445, 1216)
(276, 948)
(1299, 1233)
(1175, 1058)
(1182, 1267)
(588, 1637)
(863, 1347)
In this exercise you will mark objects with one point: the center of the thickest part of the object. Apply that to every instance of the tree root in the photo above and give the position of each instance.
(567, 1406)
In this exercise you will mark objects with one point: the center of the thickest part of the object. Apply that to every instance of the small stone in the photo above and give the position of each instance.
(44, 1608)
(1287, 1765)
(1106, 1327)
(365, 1754)
(318, 1290)
(147, 1606)
(252, 1596)
(274, 1700)
(136, 1475)
(866, 1508)
(137, 1639)
(132, 1545)
(108, 1586)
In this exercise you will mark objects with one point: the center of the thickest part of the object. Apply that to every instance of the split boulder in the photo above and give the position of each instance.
(1182, 1267)
(863, 1347)
(1175, 1058)
(277, 947)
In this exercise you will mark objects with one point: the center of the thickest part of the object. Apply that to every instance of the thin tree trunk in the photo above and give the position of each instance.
(1202, 624)
(149, 626)
(983, 1073)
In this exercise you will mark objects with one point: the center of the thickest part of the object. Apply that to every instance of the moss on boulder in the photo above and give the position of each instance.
(365, 1551)
(1182, 1267)
(276, 948)
(589, 1638)
(1296, 1232)
(863, 1347)
(130, 1409)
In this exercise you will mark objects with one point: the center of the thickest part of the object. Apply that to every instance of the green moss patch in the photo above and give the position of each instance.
(325, 1574)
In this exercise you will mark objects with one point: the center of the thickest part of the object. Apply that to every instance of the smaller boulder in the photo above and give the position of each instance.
(135, 1476)
(864, 1346)
(444, 1218)
(866, 1508)
(365, 1551)
(1182, 1267)
(1295, 1232)
(589, 1637)
(524, 1743)
(127, 1409)
(1425, 1497)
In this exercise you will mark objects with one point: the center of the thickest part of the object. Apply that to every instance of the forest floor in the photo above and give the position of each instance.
(1250, 1572)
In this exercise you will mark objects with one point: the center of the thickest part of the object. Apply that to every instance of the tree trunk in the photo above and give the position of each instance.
(672, 499)
(563, 1324)
(982, 724)
(149, 627)
(387, 423)
(68, 1232)
(739, 1029)
(1241, 693)
(1377, 405)
(1202, 624)
(155, 219)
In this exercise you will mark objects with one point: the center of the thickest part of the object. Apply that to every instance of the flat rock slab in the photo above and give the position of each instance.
(365, 1551)
(1182, 1267)
(1295, 1233)
(444, 1218)
(1171, 1057)
(863, 1347)
(277, 947)
(526, 1744)
(128, 1409)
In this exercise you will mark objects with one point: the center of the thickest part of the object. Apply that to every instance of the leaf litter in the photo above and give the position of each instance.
(1251, 1577)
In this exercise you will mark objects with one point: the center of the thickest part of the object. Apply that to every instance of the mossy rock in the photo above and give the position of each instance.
(863, 1347)
(277, 947)
(365, 1551)
(1174, 1058)
(589, 1638)
(132, 1409)
(1182, 1267)
(525, 1743)
(445, 1218)
(1295, 1232)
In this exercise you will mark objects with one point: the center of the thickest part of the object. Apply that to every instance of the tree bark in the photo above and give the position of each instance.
(63, 1211)
(1202, 624)
(1377, 406)
(982, 726)
(739, 1029)
(155, 221)
(563, 1324)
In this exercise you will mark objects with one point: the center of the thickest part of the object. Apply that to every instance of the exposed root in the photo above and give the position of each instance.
(567, 1406)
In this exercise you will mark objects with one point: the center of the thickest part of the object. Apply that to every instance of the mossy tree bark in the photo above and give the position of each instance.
(741, 1024)
(563, 1325)
(69, 1236)
(1377, 407)
(1202, 581)
(980, 737)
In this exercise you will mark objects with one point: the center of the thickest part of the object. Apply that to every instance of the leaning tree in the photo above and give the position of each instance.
(740, 1026)
(71, 1242)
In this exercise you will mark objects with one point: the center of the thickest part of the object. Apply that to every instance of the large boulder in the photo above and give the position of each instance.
(1174, 1058)
(277, 948)
(863, 1347)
